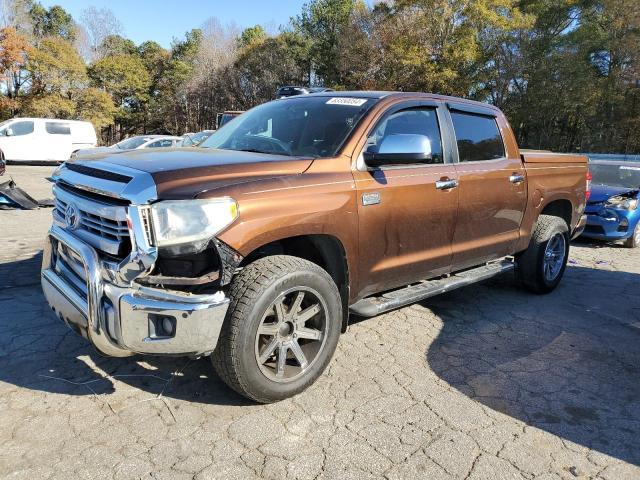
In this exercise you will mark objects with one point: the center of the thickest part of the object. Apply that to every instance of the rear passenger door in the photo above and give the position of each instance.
(492, 188)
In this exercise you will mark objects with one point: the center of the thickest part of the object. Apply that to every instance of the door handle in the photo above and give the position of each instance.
(516, 178)
(446, 184)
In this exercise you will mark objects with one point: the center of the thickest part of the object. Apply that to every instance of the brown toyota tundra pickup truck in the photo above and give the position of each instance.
(256, 248)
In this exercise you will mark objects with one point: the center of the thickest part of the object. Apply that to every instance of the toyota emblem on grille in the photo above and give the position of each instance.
(72, 217)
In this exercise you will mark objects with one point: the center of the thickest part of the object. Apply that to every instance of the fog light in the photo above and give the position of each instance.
(623, 225)
(161, 326)
(167, 326)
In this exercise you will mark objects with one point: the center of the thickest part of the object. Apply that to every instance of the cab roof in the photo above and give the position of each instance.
(379, 95)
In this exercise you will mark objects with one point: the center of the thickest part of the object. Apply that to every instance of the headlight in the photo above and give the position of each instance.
(622, 202)
(191, 221)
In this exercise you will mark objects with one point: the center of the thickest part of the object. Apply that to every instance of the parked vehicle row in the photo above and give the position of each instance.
(255, 248)
(134, 143)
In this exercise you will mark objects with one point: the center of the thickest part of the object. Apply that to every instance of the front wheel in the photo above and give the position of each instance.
(281, 329)
(634, 240)
(541, 266)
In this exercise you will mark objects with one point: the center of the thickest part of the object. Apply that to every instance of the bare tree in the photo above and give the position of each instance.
(218, 50)
(15, 13)
(98, 24)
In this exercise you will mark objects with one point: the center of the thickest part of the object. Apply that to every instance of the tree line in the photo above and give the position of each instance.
(566, 72)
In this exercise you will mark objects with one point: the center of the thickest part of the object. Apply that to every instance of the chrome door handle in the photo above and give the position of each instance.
(515, 178)
(446, 184)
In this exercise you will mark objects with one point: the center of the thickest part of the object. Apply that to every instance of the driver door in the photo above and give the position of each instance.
(19, 141)
(406, 212)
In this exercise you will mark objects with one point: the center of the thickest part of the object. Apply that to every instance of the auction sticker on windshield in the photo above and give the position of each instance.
(352, 102)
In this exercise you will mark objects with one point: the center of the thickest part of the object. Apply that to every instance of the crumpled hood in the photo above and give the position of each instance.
(181, 173)
(601, 193)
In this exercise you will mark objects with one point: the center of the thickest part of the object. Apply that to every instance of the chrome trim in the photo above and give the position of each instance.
(143, 256)
(446, 184)
(197, 330)
(116, 319)
(93, 311)
(140, 190)
(579, 228)
(102, 225)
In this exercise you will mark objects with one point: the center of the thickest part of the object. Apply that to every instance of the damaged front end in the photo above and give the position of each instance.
(116, 277)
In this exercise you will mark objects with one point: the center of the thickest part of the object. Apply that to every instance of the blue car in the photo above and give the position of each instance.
(612, 209)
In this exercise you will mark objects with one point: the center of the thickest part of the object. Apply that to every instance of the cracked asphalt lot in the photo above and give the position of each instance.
(484, 382)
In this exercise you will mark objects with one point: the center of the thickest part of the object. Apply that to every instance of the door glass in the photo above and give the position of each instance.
(57, 128)
(160, 144)
(415, 121)
(21, 128)
(478, 137)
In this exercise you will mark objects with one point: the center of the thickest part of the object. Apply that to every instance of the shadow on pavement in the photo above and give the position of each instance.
(39, 352)
(567, 363)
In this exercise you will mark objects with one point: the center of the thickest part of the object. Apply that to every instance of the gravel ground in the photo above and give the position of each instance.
(485, 382)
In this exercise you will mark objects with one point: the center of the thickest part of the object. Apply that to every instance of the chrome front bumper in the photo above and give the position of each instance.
(121, 318)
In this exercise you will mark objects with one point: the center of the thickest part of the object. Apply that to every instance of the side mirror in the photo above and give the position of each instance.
(400, 149)
(9, 132)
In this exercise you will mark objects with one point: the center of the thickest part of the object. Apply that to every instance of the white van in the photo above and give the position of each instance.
(36, 139)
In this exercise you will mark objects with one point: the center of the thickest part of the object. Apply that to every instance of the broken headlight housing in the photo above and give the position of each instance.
(194, 222)
(622, 202)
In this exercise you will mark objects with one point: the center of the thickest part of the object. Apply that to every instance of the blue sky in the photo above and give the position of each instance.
(162, 20)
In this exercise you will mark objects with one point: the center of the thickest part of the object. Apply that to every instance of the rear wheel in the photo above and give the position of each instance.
(542, 265)
(281, 329)
(634, 240)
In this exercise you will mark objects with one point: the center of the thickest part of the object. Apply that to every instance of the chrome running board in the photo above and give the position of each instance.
(372, 306)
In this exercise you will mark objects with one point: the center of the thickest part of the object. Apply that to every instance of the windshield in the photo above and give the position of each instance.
(616, 175)
(199, 137)
(130, 143)
(302, 127)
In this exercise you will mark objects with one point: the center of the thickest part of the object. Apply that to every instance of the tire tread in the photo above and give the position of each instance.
(528, 260)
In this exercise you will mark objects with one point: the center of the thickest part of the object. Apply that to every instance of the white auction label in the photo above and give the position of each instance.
(352, 102)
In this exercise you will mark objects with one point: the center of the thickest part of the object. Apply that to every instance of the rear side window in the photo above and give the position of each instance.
(21, 128)
(56, 128)
(478, 137)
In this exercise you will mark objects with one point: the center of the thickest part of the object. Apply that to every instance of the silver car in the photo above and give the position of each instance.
(133, 143)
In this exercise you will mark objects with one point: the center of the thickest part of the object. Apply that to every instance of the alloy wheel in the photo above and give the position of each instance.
(554, 255)
(291, 334)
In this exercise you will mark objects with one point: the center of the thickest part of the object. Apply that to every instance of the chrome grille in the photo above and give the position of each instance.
(101, 224)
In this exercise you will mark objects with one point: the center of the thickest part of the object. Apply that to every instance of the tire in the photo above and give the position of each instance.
(263, 298)
(532, 270)
(634, 240)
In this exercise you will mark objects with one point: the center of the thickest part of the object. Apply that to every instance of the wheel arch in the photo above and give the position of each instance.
(325, 250)
(562, 208)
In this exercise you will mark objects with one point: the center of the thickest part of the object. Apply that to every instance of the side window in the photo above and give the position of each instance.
(478, 137)
(414, 121)
(57, 128)
(21, 128)
(160, 144)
